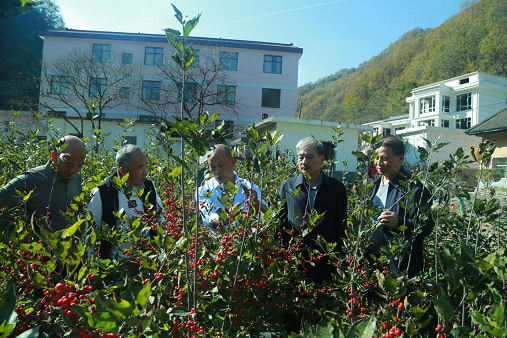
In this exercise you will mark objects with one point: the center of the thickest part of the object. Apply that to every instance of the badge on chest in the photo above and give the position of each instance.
(132, 204)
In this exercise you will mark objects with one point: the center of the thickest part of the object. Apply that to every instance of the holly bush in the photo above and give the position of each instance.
(187, 281)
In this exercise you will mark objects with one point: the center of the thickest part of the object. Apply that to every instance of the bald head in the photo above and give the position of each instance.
(71, 144)
(221, 150)
(70, 158)
(221, 164)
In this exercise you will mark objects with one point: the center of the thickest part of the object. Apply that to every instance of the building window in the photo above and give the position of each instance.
(190, 91)
(98, 86)
(53, 113)
(130, 140)
(60, 85)
(500, 165)
(124, 93)
(272, 64)
(151, 90)
(226, 95)
(195, 64)
(427, 105)
(101, 53)
(153, 56)
(376, 131)
(444, 123)
(89, 116)
(463, 81)
(464, 102)
(148, 119)
(227, 129)
(228, 60)
(271, 98)
(328, 151)
(465, 123)
(386, 131)
(446, 104)
(127, 58)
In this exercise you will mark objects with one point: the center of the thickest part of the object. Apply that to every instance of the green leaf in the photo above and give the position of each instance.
(190, 25)
(443, 307)
(102, 321)
(178, 14)
(118, 307)
(169, 31)
(173, 40)
(391, 283)
(45, 233)
(142, 298)
(7, 302)
(37, 248)
(324, 329)
(37, 278)
(363, 329)
(360, 155)
(177, 59)
(72, 251)
(417, 311)
(73, 228)
(31, 333)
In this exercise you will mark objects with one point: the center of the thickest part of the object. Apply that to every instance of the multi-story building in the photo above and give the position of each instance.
(133, 76)
(445, 110)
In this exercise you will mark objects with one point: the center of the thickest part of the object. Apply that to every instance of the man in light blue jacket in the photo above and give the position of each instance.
(221, 164)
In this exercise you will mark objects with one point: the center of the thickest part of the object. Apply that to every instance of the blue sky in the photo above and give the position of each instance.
(333, 34)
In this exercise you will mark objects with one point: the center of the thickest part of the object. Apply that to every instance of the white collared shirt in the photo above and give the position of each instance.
(209, 206)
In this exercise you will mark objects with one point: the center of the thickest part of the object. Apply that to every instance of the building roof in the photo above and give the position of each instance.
(494, 123)
(272, 120)
(389, 119)
(161, 38)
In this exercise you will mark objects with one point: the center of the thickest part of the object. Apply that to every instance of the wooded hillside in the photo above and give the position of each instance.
(473, 40)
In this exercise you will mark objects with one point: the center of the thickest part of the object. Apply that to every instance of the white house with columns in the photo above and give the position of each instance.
(445, 110)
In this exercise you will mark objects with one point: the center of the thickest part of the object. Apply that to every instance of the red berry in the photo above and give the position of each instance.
(439, 328)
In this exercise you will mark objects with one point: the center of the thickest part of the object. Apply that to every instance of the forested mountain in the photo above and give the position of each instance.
(473, 40)
(21, 54)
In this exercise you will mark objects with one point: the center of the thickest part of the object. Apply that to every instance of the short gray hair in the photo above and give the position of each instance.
(124, 158)
(310, 142)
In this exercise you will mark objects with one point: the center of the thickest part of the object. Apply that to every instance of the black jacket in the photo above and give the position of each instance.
(418, 202)
(110, 204)
(331, 199)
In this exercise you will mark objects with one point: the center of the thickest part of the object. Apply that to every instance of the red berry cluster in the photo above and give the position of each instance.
(356, 307)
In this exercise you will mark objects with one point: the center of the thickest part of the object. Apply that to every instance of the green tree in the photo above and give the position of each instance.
(21, 54)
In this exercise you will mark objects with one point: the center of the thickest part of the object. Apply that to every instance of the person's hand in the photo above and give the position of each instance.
(256, 204)
(388, 218)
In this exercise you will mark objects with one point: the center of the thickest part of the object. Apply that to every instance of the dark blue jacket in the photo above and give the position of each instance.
(417, 202)
(331, 199)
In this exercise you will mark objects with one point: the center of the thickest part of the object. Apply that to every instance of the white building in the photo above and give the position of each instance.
(445, 110)
(295, 129)
(261, 78)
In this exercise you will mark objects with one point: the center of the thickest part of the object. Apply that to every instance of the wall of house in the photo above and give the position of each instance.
(249, 77)
(455, 137)
(294, 132)
(22, 122)
(139, 132)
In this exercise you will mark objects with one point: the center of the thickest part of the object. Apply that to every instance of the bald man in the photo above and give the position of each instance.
(53, 185)
(221, 164)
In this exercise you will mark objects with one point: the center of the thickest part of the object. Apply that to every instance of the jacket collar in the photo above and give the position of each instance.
(402, 175)
(300, 179)
(50, 171)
